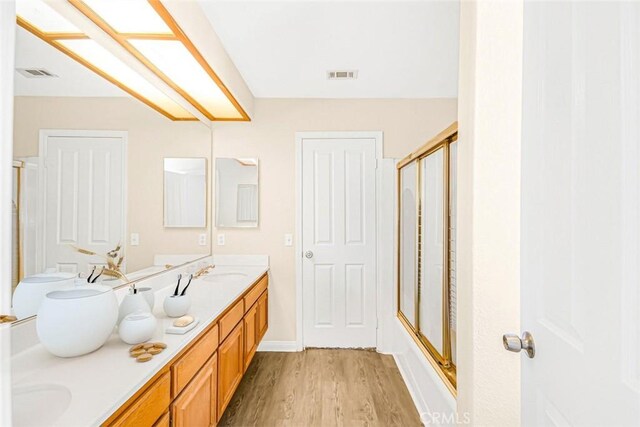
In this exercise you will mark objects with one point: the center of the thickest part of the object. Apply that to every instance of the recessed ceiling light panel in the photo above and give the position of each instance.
(129, 16)
(153, 37)
(45, 23)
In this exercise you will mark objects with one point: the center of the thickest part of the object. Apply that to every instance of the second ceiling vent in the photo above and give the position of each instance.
(342, 74)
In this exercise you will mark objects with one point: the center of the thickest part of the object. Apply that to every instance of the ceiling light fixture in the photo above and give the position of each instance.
(45, 23)
(147, 31)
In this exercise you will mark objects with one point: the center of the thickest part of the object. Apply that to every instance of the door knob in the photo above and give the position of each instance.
(308, 254)
(514, 343)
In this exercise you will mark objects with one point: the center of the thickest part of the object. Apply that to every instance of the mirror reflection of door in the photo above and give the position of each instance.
(84, 187)
(236, 193)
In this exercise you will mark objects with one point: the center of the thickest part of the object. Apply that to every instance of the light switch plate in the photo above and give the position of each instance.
(134, 239)
(202, 239)
(220, 239)
(288, 239)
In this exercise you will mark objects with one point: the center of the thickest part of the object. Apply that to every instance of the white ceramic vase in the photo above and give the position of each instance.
(137, 327)
(131, 304)
(77, 321)
(31, 290)
(177, 305)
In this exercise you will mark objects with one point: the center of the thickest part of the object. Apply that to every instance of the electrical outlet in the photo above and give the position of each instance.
(220, 239)
(134, 239)
(288, 239)
(202, 239)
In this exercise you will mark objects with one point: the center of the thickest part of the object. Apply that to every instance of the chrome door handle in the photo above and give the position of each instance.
(308, 254)
(514, 343)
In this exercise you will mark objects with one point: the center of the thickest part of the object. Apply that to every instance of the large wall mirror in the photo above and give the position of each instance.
(427, 250)
(90, 163)
(237, 201)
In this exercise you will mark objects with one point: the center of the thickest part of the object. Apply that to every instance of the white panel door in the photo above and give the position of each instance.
(339, 242)
(581, 214)
(84, 199)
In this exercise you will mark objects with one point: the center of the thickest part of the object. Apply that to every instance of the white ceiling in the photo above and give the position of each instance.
(74, 79)
(402, 49)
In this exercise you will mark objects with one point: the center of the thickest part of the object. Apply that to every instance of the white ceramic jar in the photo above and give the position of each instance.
(131, 304)
(137, 327)
(31, 290)
(177, 305)
(77, 321)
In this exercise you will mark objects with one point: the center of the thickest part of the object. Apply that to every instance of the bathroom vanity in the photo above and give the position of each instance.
(196, 386)
(190, 383)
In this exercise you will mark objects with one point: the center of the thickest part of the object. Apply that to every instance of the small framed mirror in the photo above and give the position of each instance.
(185, 192)
(236, 193)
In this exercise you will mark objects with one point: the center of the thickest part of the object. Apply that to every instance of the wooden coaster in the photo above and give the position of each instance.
(145, 351)
(137, 347)
(137, 353)
(144, 357)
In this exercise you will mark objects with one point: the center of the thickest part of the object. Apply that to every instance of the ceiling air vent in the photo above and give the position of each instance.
(35, 73)
(342, 75)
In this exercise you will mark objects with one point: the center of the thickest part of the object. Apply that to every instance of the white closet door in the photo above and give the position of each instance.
(339, 241)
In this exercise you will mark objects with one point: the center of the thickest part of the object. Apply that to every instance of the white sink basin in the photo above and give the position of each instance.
(222, 277)
(39, 404)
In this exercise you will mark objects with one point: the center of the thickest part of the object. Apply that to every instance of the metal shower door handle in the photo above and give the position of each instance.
(514, 343)
(308, 254)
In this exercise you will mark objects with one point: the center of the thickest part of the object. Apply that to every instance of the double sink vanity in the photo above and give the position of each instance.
(190, 383)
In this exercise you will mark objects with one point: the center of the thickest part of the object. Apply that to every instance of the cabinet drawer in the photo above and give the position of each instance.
(231, 319)
(150, 406)
(186, 367)
(255, 292)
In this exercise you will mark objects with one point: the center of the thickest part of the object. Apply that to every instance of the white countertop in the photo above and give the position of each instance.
(100, 382)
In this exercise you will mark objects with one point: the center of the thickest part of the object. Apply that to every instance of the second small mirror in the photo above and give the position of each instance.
(236, 193)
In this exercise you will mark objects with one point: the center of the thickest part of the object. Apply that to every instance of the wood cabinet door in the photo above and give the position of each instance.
(231, 366)
(263, 316)
(196, 405)
(250, 335)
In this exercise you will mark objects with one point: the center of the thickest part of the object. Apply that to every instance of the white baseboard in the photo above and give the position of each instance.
(288, 346)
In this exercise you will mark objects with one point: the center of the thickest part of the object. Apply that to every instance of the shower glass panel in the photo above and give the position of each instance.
(453, 210)
(432, 249)
(408, 242)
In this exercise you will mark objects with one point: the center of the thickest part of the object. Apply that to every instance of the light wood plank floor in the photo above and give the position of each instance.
(322, 387)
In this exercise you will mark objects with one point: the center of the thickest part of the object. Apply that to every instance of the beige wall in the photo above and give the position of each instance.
(151, 137)
(271, 138)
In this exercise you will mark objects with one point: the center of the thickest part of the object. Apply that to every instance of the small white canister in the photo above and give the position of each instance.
(137, 327)
(177, 305)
